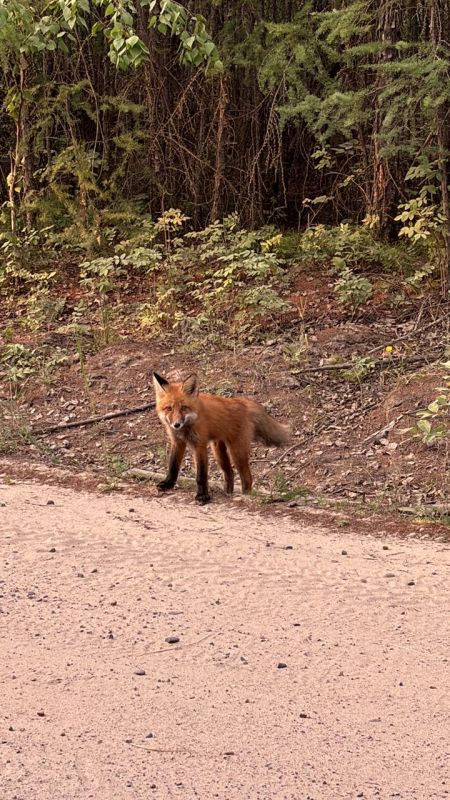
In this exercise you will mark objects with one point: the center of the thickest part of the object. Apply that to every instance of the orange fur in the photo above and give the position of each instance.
(230, 425)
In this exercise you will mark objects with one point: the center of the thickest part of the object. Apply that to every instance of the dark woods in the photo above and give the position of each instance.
(324, 111)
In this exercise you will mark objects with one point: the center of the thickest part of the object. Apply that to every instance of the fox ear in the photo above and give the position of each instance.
(190, 384)
(160, 384)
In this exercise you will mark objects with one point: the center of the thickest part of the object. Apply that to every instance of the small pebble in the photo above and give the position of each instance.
(94, 570)
(128, 741)
(50, 502)
(411, 583)
(131, 510)
(344, 553)
(385, 547)
(139, 672)
(41, 714)
(389, 575)
(80, 575)
(288, 547)
(149, 735)
(303, 715)
(281, 665)
(172, 640)
(52, 550)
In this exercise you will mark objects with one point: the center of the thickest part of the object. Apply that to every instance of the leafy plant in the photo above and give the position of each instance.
(13, 435)
(17, 363)
(281, 491)
(170, 222)
(42, 307)
(23, 258)
(355, 246)
(433, 422)
(353, 290)
(422, 219)
(222, 274)
(361, 369)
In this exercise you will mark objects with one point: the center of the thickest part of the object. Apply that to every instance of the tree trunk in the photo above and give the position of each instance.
(218, 170)
(383, 188)
(436, 15)
(20, 158)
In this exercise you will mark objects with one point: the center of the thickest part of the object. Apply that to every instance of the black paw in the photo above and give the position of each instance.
(202, 498)
(164, 486)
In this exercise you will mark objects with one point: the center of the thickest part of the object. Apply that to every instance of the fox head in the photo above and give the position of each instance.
(176, 403)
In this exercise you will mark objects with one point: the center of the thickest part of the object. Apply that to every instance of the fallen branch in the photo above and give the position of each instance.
(325, 367)
(432, 510)
(381, 362)
(62, 426)
(283, 454)
(410, 333)
(350, 365)
(383, 431)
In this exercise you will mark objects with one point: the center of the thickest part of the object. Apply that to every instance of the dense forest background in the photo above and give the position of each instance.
(316, 110)
(282, 112)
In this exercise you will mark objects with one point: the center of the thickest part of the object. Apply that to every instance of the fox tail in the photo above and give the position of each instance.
(269, 431)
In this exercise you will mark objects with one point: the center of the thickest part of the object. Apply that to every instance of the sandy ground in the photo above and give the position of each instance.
(96, 703)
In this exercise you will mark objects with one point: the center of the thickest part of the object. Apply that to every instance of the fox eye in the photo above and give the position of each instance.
(185, 408)
(167, 408)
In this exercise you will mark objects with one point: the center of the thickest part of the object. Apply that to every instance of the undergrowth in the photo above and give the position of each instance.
(222, 285)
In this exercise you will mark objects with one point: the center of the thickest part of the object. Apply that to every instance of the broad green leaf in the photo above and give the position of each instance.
(127, 19)
(424, 426)
(209, 47)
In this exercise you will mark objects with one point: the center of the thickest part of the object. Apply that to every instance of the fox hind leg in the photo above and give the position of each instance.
(241, 462)
(223, 460)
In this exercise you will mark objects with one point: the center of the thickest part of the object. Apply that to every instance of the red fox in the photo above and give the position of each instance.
(228, 424)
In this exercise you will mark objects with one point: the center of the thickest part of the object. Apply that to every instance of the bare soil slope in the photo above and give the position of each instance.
(151, 649)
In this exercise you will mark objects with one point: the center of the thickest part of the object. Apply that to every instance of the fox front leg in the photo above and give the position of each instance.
(177, 451)
(201, 458)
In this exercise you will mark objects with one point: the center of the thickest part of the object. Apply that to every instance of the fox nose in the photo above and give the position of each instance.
(177, 424)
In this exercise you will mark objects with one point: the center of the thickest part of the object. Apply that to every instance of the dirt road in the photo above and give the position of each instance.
(150, 649)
